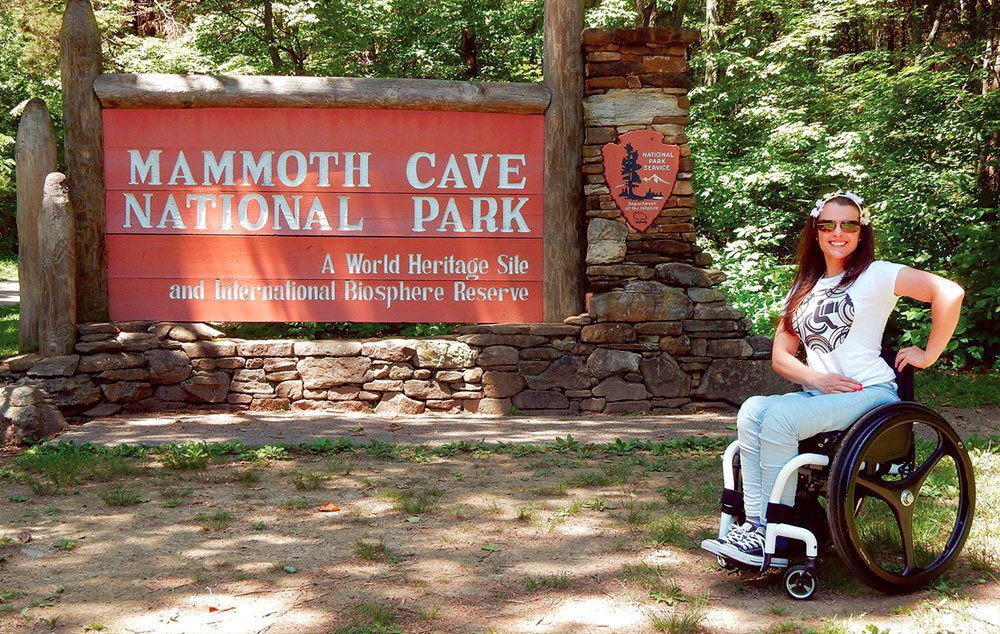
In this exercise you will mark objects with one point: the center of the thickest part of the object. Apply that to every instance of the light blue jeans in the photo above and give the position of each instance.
(769, 429)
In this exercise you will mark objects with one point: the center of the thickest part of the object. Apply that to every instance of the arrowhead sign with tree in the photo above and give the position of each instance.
(641, 171)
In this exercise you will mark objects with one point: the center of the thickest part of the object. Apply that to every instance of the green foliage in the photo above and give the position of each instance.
(808, 100)
(9, 317)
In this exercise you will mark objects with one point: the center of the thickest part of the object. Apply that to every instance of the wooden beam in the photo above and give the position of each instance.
(34, 159)
(204, 91)
(563, 71)
(80, 56)
(57, 283)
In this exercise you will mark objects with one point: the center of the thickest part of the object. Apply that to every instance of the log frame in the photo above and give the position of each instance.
(210, 91)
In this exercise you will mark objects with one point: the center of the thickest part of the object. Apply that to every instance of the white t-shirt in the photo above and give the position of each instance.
(842, 329)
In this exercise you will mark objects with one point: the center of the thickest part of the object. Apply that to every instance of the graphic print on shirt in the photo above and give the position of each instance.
(824, 324)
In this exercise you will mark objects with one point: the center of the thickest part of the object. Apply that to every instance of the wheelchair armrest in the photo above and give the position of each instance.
(904, 380)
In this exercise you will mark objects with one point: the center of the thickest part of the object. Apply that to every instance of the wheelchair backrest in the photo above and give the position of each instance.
(904, 379)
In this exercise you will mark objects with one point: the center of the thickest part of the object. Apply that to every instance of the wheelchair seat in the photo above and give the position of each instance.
(894, 446)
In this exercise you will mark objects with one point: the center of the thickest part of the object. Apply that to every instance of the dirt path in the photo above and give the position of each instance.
(255, 429)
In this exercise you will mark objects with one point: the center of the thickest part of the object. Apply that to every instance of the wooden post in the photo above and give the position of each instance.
(563, 71)
(57, 260)
(34, 158)
(80, 49)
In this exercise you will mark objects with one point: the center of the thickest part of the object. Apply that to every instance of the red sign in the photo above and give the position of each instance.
(641, 171)
(323, 215)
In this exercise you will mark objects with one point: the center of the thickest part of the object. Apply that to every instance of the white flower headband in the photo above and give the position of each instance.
(864, 217)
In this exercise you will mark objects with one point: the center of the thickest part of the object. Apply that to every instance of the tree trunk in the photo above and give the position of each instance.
(272, 46)
(80, 56)
(34, 159)
(711, 41)
(563, 198)
(57, 250)
(470, 53)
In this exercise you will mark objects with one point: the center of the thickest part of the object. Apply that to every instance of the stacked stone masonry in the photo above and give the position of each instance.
(578, 366)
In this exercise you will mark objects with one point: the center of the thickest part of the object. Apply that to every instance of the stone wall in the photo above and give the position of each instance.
(578, 366)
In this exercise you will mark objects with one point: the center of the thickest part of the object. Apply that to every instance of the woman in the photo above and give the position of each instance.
(840, 301)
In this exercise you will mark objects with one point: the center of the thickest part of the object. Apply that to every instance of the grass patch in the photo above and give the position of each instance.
(680, 621)
(65, 544)
(670, 530)
(120, 496)
(8, 267)
(371, 617)
(308, 481)
(556, 582)
(297, 504)
(415, 502)
(216, 521)
(248, 476)
(9, 319)
(937, 387)
(187, 457)
(376, 551)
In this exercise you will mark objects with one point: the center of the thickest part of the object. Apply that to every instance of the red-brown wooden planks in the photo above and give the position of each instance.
(369, 215)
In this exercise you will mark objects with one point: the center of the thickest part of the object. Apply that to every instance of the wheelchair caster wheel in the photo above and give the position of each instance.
(801, 582)
(725, 564)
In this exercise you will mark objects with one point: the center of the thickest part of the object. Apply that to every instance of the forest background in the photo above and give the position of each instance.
(895, 99)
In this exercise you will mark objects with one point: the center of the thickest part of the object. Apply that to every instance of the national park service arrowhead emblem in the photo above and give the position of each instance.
(641, 171)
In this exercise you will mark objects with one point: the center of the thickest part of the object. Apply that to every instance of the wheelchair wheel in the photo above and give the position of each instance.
(911, 470)
(800, 582)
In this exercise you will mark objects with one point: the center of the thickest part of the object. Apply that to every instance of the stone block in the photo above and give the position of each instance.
(660, 328)
(269, 404)
(398, 403)
(731, 348)
(497, 355)
(449, 376)
(138, 341)
(721, 311)
(664, 377)
(105, 345)
(606, 241)
(680, 274)
(63, 365)
(279, 364)
(168, 366)
(343, 393)
(291, 390)
(233, 363)
(128, 374)
(473, 375)
(209, 388)
(568, 373)
(384, 385)
(324, 372)
(705, 295)
(641, 301)
(592, 404)
(210, 349)
(439, 353)
(426, 390)
(177, 393)
(604, 362)
(26, 411)
(391, 349)
(676, 345)
(264, 349)
(627, 407)
(400, 371)
(489, 406)
(96, 328)
(111, 361)
(630, 107)
(617, 389)
(326, 348)
(540, 399)
(239, 399)
(281, 376)
(502, 384)
(606, 333)
(126, 391)
(735, 380)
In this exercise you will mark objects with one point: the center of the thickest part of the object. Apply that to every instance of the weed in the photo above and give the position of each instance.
(372, 617)
(41, 486)
(215, 521)
(429, 614)
(784, 627)
(265, 453)
(8, 595)
(636, 518)
(649, 576)
(120, 496)
(187, 457)
(383, 450)
(375, 551)
(414, 502)
(259, 526)
(95, 626)
(526, 512)
(558, 582)
(52, 621)
(247, 476)
(6, 541)
(297, 504)
(308, 481)
(589, 479)
(676, 495)
(670, 530)
(340, 466)
(679, 621)
(175, 496)
(65, 544)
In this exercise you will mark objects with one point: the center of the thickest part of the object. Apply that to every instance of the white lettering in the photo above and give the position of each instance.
(507, 170)
(218, 172)
(142, 169)
(302, 169)
(411, 170)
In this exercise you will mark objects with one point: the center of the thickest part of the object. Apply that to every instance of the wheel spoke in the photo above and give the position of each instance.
(915, 480)
(904, 519)
(876, 487)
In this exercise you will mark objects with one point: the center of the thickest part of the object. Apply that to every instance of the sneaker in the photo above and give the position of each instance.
(714, 546)
(747, 547)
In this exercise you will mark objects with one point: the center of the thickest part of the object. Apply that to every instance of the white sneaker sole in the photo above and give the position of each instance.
(712, 545)
(731, 552)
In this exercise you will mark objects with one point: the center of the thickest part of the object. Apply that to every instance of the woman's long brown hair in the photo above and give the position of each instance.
(812, 265)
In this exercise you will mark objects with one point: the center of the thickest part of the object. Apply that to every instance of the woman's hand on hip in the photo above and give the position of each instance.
(913, 355)
(835, 383)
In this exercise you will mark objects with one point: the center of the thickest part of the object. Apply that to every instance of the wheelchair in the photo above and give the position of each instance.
(894, 493)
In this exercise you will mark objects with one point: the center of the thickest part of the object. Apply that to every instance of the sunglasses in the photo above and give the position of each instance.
(847, 226)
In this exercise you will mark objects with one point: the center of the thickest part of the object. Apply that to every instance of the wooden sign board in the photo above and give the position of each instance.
(287, 214)
(641, 171)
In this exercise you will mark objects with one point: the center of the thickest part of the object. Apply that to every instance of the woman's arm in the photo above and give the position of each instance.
(945, 297)
(784, 362)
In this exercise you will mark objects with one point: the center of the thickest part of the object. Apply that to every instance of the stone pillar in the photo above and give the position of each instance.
(652, 285)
